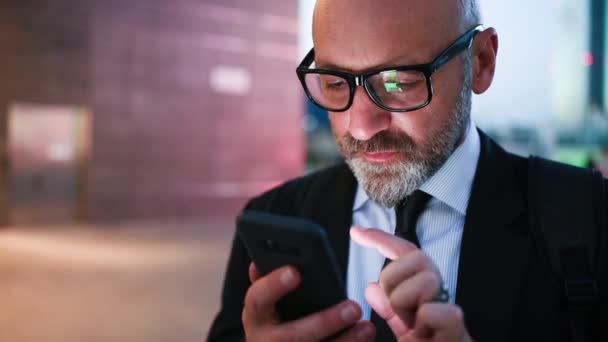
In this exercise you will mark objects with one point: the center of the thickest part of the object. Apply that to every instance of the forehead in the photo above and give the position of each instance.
(356, 35)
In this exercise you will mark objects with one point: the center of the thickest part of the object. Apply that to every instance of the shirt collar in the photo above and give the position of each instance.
(453, 182)
(360, 198)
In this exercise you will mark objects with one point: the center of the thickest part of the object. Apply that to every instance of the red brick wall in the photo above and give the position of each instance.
(165, 141)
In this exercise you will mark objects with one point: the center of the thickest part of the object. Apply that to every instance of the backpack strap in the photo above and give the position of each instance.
(564, 209)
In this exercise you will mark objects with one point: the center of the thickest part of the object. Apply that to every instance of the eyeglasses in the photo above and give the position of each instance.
(397, 89)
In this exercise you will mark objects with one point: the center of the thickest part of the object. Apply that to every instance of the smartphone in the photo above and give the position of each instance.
(273, 241)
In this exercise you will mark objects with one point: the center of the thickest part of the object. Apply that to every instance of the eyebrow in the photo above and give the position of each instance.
(331, 66)
(393, 62)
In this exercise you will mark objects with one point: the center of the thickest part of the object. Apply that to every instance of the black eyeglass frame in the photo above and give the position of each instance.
(460, 45)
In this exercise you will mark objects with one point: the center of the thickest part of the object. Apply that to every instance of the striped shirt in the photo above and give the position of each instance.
(439, 227)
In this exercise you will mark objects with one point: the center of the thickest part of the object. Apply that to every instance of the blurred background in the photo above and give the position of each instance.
(133, 131)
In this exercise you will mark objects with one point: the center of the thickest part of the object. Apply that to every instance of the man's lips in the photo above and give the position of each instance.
(380, 157)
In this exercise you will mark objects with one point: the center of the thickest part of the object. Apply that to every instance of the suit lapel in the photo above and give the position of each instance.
(334, 210)
(495, 249)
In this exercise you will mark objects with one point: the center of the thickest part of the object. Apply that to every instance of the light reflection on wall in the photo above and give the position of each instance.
(49, 148)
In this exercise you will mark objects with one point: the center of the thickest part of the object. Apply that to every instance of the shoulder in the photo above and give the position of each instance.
(570, 188)
(521, 168)
(287, 197)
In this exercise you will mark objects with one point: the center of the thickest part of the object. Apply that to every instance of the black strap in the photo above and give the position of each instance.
(563, 206)
(406, 216)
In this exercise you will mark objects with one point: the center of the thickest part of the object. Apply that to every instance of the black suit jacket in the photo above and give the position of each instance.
(504, 288)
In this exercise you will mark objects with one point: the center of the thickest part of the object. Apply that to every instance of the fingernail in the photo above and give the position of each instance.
(348, 314)
(288, 278)
(364, 334)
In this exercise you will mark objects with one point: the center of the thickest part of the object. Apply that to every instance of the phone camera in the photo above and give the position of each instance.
(270, 244)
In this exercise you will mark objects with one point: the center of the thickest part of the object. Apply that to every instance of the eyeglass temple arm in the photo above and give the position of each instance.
(463, 43)
(307, 61)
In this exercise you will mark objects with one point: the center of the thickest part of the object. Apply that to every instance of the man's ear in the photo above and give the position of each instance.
(485, 49)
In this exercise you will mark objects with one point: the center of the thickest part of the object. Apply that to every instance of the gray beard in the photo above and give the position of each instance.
(389, 184)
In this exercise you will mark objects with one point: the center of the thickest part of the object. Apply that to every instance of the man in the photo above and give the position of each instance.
(396, 77)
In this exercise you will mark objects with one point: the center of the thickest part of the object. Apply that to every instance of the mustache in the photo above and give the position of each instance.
(381, 142)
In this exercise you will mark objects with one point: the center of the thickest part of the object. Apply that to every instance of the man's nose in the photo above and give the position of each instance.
(366, 118)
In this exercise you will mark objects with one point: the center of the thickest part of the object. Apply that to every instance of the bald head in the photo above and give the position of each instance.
(470, 15)
(464, 13)
(423, 27)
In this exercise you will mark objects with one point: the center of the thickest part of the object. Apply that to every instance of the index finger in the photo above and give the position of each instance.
(263, 294)
(388, 245)
(254, 274)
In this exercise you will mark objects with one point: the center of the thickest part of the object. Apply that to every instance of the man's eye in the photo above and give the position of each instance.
(401, 86)
(335, 85)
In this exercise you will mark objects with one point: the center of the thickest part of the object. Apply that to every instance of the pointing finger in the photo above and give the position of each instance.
(388, 245)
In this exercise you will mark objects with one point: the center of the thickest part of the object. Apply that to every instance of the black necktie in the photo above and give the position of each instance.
(406, 215)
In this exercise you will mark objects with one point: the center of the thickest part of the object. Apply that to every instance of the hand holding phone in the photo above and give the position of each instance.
(273, 241)
(308, 294)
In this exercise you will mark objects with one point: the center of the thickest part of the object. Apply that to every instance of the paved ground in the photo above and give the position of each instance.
(147, 282)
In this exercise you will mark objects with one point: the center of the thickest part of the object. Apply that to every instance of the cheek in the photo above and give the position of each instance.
(415, 124)
(423, 125)
(427, 121)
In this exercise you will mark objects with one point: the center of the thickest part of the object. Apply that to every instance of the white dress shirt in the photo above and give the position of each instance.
(439, 227)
